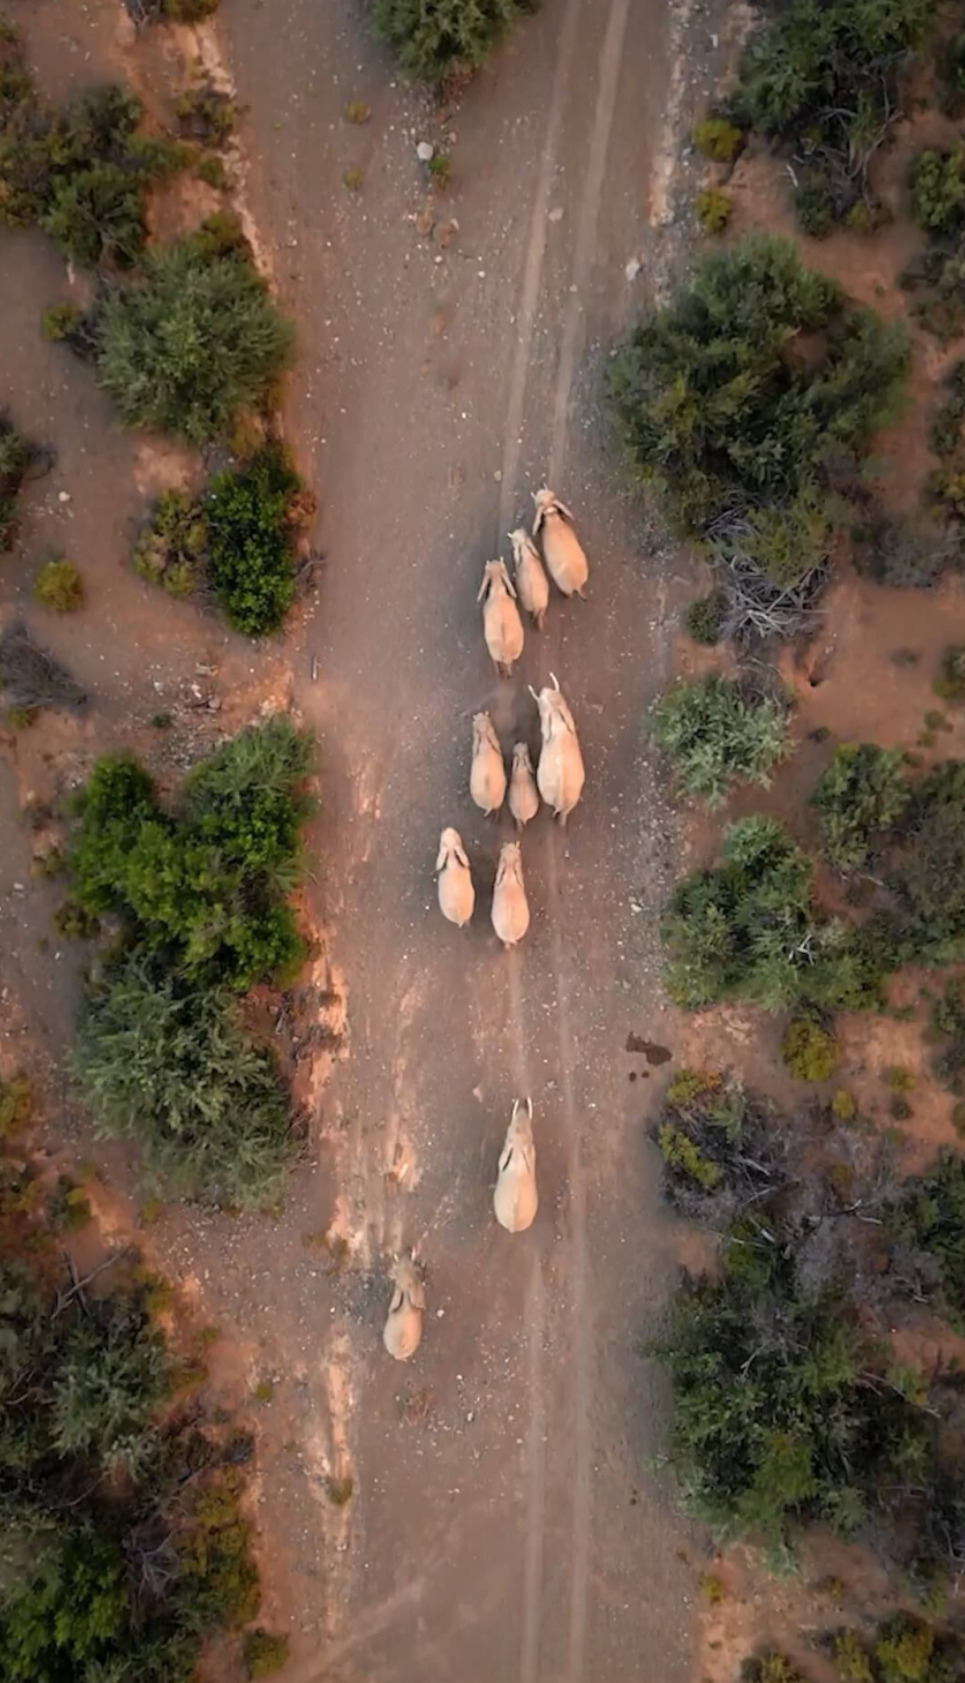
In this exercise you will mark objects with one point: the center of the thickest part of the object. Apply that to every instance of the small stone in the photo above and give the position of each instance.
(633, 268)
(425, 151)
(556, 215)
(63, 496)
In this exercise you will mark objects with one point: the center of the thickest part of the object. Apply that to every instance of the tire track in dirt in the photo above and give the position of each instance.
(571, 344)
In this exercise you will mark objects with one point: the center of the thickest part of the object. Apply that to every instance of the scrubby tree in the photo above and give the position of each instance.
(749, 928)
(435, 39)
(719, 731)
(191, 342)
(929, 875)
(860, 797)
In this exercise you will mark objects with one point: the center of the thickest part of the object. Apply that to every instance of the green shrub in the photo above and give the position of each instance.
(905, 553)
(211, 170)
(714, 209)
(936, 280)
(704, 619)
(61, 321)
(822, 75)
(809, 1051)
(722, 1149)
(862, 794)
(204, 888)
(718, 139)
(264, 1653)
(58, 585)
(852, 1661)
(938, 191)
(948, 1025)
(82, 173)
(107, 1569)
(953, 76)
(206, 114)
(170, 550)
(717, 410)
(780, 1416)
(770, 1667)
(719, 731)
(748, 928)
(16, 455)
(927, 1223)
(814, 203)
(193, 341)
(16, 1104)
(170, 1065)
(929, 873)
(435, 39)
(950, 683)
(250, 562)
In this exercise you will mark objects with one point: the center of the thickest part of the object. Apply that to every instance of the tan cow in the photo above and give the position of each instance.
(562, 550)
(487, 778)
(523, 797)
(457, 897)
(510, 906)
(502, 626)
(561, 775)
(531, 581)
(515, 1198)
(403, 1326)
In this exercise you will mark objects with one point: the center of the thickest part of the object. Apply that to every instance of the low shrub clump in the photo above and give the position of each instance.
(170, 1065)
(714, 209)
(32, 678)
(264, 1653)
(436, 39)
(809, 1051)
(206, 114)
(194, 340)
(204, 886)
(860, 797)
(718, 138)
(237, 540)
(58, 585)
(822, 76)
(938, 191)
(705, 618)
(200, 893)
(124, 1543)
(738, 398)
(749, 928)
(927, 1223)
(722, 1149)
(83, 173)
(719, 731)
(16, 455)
(948, 1026)
(928, 874)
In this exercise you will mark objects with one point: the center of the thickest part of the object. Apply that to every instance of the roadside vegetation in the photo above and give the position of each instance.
(16, 456)
(124, 1540)
(197, 902)
(749, 403)
(435, 40)
(719, 731)
(789, 1408)
(82, 173)
(237, 541)
(823, 77)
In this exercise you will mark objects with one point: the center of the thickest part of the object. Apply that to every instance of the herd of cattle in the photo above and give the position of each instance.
(558, 781)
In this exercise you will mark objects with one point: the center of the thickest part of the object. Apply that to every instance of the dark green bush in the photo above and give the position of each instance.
(950, 682)
(169, 1064)
(822, 75)
(264, 1653)
(250, 561)
(860, 797)
(435, 39)
(117, 1560)
(749, 928)
(170, 550)
(809, 1051)
(197, 338)
(719, 731)
(16, 455)
(82, 173)
(948, 1026)
(782, 1412)
(928, 1226)
(59, 586)
(704, 618)
(938, 191)
(929, 874)
(722, 1149)
(204, 888)
(718, 409)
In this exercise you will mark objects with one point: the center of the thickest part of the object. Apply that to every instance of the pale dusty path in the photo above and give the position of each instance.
(508, 1539)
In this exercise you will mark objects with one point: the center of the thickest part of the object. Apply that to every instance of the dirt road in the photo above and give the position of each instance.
(504, 1522)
